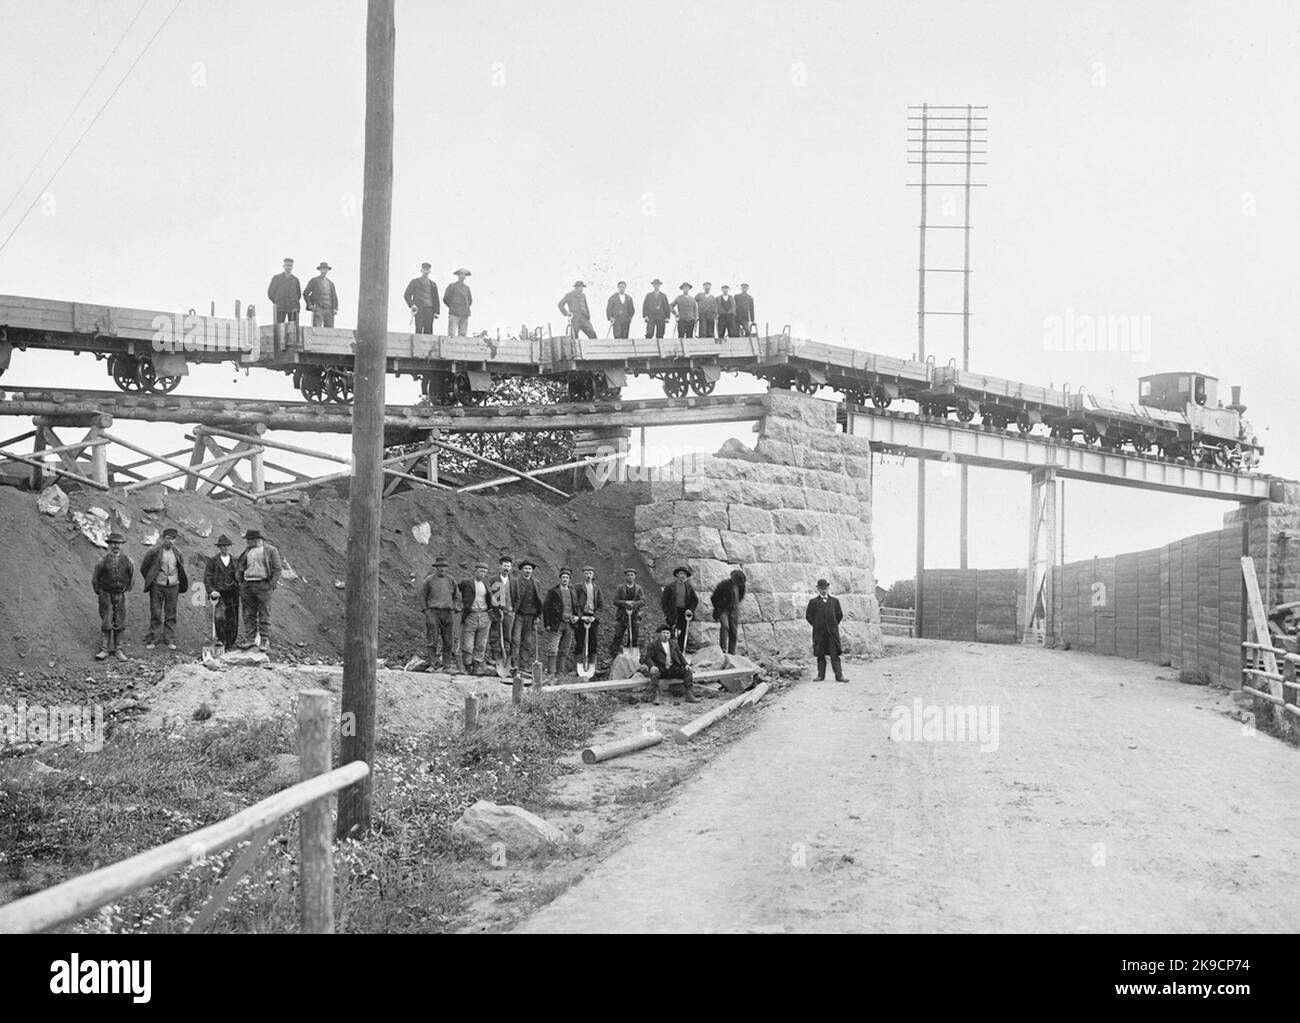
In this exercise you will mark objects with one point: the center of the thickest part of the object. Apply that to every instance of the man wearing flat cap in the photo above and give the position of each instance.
(258, 569)
(440, 600)
(744, 309)
(620, 309)
(667, 666)
(727, 313)
(285, 291)
(679, 597)
(656, 309)
(458, 300)
(221, 582)
(163, 571)
(591, 601)
(527, 606)
(421, 297)
(321, 298)
(685, 309)
(629, 599)
(574, 306)
(111, 580)
(706, 304)
(560, 619)
(824, 615)
(476, 622)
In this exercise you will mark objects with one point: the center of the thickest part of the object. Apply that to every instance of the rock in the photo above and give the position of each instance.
(215, 664)
(740, 661)
(245, 658)
(153, 499)
(422, 532)
(92, 528)
(416, 664)
(53, 501)
(99, 513)
(708, 658)
(338, 584)
(519, 832)
(124, 518)
(150, 536)
(285, 770)
(288, 572)
(625, 665)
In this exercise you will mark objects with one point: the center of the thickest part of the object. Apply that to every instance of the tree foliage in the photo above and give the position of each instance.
(901, 593)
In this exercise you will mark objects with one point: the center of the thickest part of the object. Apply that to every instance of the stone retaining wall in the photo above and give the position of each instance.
(795, 509)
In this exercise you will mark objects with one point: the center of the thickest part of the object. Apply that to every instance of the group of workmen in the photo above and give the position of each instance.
(723, 315)
(233, 584)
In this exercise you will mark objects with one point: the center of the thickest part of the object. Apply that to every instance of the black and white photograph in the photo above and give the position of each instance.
(594, 468)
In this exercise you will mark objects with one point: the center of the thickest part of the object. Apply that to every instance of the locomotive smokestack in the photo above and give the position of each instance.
(1236, 405)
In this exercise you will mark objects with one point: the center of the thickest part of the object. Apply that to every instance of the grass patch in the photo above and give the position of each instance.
(145, 789)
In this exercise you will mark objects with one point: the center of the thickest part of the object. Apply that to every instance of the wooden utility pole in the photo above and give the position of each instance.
(361, 643)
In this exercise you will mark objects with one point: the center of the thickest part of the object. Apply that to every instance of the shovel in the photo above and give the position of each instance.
(586, 669)
(503, 662)
(210, 649)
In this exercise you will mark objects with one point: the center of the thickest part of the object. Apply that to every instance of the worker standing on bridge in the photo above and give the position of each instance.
(163, 571)
(222, 586)
(656, 310)
(285, 291)
(258, 570)
(574, 305)
(744, 309)
(707, 305)
(476, 620)
(678, 598)
(726, 313)
(824, 615)
(111, 579)
(686, 311)
(458, 299)
(421, 296)
(321, 298)
(620, 309)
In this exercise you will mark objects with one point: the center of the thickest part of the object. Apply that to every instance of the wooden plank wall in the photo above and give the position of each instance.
(974, 605)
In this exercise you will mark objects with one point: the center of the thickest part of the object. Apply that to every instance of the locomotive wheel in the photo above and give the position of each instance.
(965, 413)
(126, 372)
(880, 398)
(1023, 423)
(675, 384)
(338, 386)
(700, 382)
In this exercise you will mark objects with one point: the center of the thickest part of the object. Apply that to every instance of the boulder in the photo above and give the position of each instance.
(93, 528)
(245, 658)
(422, 532)
(625, 665)
(708, 658)
(153, 499)
(520, 833)
(416, 664)
(53, 501)
(734, 661)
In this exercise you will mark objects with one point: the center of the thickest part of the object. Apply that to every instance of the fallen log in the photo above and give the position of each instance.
(610, 750)
(598, 687)
(683, 735)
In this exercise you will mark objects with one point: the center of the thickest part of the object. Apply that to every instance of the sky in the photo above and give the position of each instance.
(1142, 160)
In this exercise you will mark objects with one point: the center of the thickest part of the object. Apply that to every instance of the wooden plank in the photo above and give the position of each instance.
(1258, 618)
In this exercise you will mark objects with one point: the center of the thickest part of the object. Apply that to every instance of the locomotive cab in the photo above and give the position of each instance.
(1176, 391)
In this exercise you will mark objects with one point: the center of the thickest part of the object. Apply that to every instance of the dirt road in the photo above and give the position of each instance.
(1108, 799)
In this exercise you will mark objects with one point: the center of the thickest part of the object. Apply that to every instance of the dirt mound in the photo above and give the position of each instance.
(406, 702)
(48, 612)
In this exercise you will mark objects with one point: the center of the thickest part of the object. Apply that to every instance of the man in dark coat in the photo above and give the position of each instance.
(440, 600)
(590, 603)
(476, 619)
(666, 662)
(527, 605)
(706, 305)
(321, 298)
(620, 309)
(163, 571)
(458, 299)
(726, 598)
(744, 309)
(678, 598)
(111, 580)
(421, 297)
(574, 305)
(258, 569)
(222, 585)
(824, 615)
(687, 311)
(726, 313)
(656, 310)
(629, 599)
(285, 292)
(560, 619)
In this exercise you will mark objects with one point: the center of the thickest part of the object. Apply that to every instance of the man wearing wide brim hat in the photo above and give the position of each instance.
(526, 598)
(221, 583)
(440, 601)
(258, 569)
(458, 300)
(686, 311)
(165, 579)
(111, 579)
(574, 306)
(321, 298)
(678, 598)
(656, 309)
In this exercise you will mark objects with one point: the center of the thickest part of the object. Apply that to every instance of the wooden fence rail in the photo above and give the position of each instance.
(82, 895)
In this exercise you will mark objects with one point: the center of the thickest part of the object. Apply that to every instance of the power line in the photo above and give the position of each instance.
(72, 113)
(86, 130)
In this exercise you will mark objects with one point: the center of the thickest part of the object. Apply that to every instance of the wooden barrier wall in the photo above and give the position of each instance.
(975, 605)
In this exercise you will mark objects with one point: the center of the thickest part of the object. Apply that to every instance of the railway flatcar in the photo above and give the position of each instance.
(860, 376)
(598, 367)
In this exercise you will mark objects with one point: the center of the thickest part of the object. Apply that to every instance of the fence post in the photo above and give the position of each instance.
(316, 829)
(471, 712)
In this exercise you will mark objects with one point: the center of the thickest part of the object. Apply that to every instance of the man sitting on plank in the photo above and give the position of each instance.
(667, 664)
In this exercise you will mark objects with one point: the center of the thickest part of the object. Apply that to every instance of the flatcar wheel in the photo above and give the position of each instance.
(676, 384)
(1141, 445)
(1023, 423)
(806, 385)
(338, 386)
(881, 398)
(475, 398)
(581, 387)
(126, 372)
(311, 384)
(700, 382)
(1090, 435)
(965, 413)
